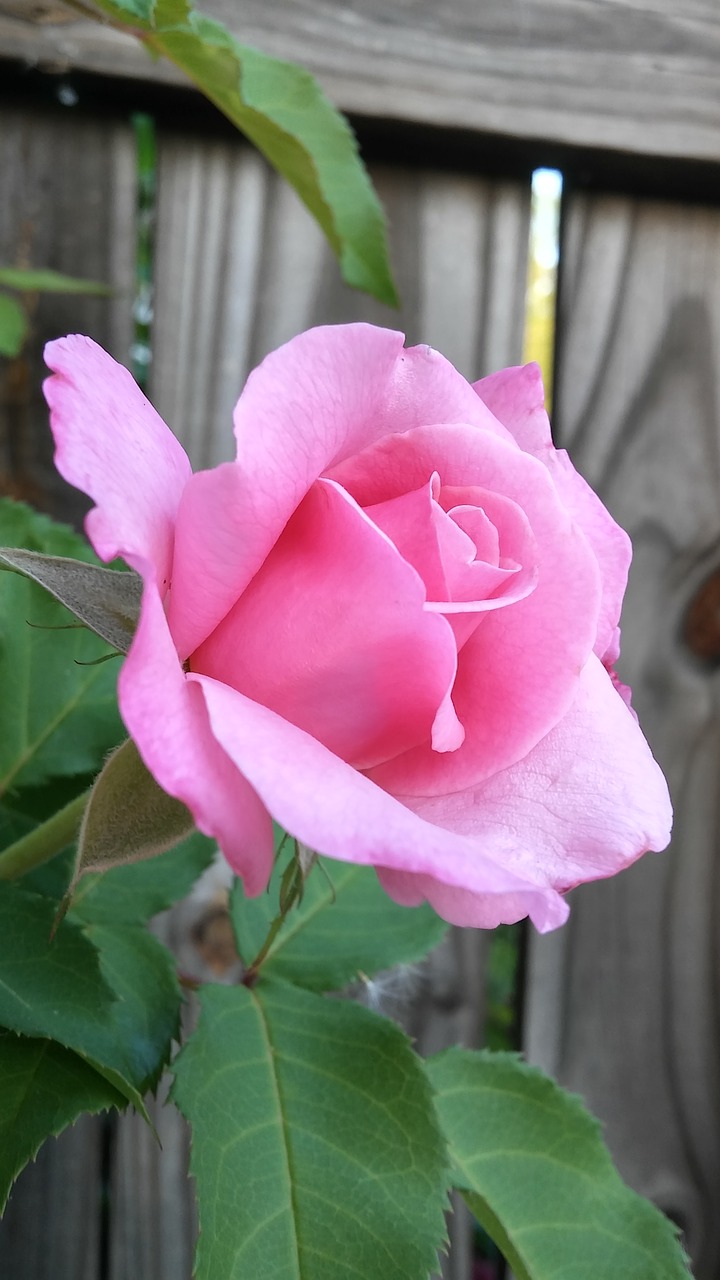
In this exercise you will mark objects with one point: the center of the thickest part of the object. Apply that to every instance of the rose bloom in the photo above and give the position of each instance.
(390, 623)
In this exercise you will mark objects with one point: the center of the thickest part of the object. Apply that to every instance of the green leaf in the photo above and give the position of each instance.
(51, 879)
(128, 817)
(54, 987)
(115, 1004)
(59, 717)
(315, 1147)
(22, 812)
(105, 600)
(43, 1089)
(135, 893)
(13, 825)
(344, 927)
(45, 281)
(533, 1168)
(13, 326)
(284, 113)
(146, 1015)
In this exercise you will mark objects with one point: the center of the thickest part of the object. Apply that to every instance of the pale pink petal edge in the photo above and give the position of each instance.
(338, 812)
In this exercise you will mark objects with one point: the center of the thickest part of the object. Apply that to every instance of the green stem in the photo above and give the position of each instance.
(251, 973)
(44, 842)
(292, 887)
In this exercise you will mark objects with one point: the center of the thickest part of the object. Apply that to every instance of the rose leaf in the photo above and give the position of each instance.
(109, 993)
(282, 110)
(532, 1166)
(314, 1144)
(44, 1088)
(46, 281)
(13, 326)
(60, 713)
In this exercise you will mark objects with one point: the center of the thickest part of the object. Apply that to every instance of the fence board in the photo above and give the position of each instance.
(623, 1003)
(153, 1220)
(241, 267)
(69, 204)
(638, 77)
(51, 1227)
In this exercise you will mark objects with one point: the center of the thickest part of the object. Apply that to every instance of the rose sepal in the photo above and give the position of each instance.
(105, 601)
(128, 817)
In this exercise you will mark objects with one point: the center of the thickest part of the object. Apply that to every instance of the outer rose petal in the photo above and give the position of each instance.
(517, 398)
(457, 906)
(332, 391)
(323, 397)
(219, 546)
(583, 805)
(112, 445)
(337, 811)
(165, 714)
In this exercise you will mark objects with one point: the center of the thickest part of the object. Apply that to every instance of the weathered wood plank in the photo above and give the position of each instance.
(623, 1003)
(153, 1219)
(638, 77)
(51, 1227)
(241, 267)
(68, 203)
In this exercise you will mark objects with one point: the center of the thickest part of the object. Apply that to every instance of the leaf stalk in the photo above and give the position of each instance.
(47, 840)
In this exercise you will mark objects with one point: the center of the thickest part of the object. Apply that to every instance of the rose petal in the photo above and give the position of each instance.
(332, 633)
(516, 397)
(469, 910)
(583, 805)
(333, 391)
(222, 535)
(408, 521)
(323, 397)
(457, 554)
(333, 809)
(165, 714)
(518, 673)
(514, 573)
(610, 543)
(111, 444)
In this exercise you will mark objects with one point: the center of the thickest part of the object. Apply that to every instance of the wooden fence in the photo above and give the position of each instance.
(622, 1004)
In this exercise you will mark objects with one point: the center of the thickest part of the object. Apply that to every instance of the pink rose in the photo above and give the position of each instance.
(390, 623)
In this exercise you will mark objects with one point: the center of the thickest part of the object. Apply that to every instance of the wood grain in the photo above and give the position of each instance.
(241, 267)
(51, 1227)
(633, 75)
(153, 1219)
(623, 1003)
(68, 204)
